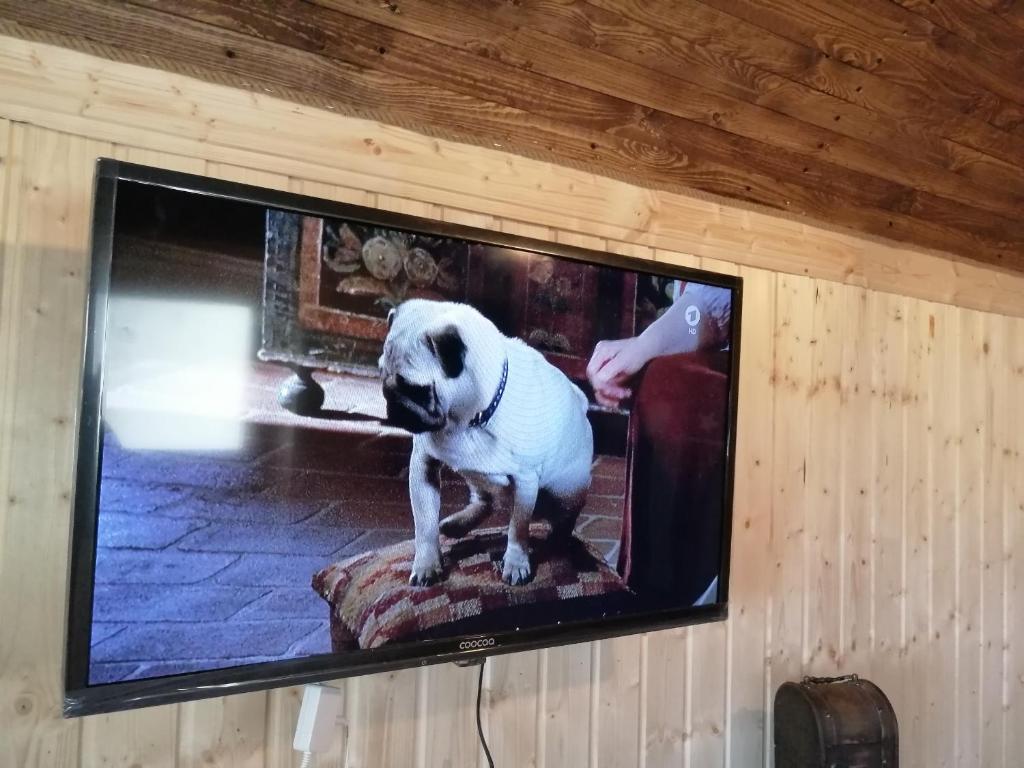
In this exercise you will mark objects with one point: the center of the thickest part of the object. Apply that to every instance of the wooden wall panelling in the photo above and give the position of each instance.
(616, 727)
(382, 723)
(992, 672)
(859, 493)
(823, 566)
(334, 192)
(282, 714)
(972, 471)
(46, 228)
(47, 176)
(791, 377)
(144, 737)
(939, 740)
(748, 731)
(158, 159)
(567, 675)
(513, 690)
(7, 244)
(225, 731)
(359, 154)
(1013, 537)
(918, 498)
(388, 160)
(667, 701)
(889, 396)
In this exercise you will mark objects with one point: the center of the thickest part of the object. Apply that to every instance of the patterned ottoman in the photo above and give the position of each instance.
(372, 604)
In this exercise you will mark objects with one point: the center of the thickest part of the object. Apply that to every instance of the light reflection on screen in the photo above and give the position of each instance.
(175, 376)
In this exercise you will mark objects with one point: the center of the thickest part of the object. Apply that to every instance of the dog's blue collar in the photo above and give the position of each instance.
(482, 417)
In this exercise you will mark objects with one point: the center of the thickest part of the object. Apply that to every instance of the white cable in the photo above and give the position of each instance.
(319, 718)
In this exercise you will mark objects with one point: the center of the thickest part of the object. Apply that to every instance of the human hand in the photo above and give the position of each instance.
(612, 365)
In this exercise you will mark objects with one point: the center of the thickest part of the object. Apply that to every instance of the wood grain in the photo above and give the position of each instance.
(46, 228)
(858, 489)
(884, 39)
(940, 742)
(508, 65)
(824, 483)
(709, 743)
(972, 471)
(918, 542)
(993, 544)
(969, 21)
(791, 380)
(507, 85)
(667, 725)
(748, 728)
(799, 78)
(1013, 536)
(146, 736)
(229, 731)
(359, 153)
(653, 701)
(889, 400)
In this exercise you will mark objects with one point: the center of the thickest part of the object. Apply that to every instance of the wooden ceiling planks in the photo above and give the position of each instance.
(968, 20)
(885, 39)
(1012, 11)
(767, 47)
(893, 117)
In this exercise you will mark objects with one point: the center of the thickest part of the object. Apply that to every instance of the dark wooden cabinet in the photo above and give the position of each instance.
(330, 285)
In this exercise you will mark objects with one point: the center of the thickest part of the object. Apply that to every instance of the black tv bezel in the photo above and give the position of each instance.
(82, 699)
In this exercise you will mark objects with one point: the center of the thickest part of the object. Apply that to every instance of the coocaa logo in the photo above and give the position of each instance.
(486, 642)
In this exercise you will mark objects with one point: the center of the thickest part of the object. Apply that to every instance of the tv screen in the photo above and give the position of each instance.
(320, 440)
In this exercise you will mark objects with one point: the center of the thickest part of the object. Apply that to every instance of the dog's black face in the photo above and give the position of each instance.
(411, 406)
(422, 365)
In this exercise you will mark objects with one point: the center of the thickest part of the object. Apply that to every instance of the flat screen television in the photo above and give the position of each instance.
(320, 440)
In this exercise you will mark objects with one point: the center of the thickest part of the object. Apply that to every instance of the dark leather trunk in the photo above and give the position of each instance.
(838, 722)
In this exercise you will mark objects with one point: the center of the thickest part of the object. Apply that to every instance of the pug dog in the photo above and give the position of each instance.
(496, 412)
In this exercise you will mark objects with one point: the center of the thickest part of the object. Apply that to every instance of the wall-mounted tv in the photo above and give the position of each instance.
(321, 440)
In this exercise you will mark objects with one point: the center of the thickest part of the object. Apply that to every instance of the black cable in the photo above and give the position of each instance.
(479, 722)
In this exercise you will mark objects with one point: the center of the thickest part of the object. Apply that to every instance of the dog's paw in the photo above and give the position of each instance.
(515, 568)
(426, 570)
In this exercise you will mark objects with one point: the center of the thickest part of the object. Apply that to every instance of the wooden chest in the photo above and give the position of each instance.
(838, 722)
